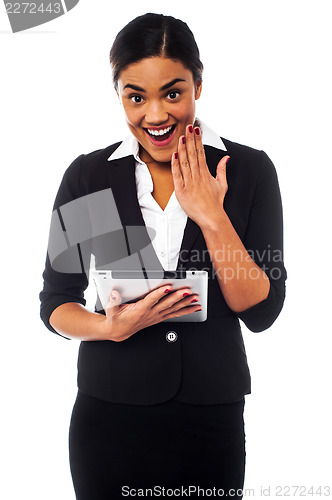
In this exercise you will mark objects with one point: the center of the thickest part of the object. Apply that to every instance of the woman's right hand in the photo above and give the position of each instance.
(123, 320)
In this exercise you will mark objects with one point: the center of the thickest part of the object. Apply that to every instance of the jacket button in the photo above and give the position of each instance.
(171, 336)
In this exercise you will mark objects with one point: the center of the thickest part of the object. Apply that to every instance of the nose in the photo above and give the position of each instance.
(156, 113)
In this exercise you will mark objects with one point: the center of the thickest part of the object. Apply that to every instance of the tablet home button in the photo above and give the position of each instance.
(171, 336)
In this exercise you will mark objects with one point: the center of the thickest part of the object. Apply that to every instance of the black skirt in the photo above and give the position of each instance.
(116, 449)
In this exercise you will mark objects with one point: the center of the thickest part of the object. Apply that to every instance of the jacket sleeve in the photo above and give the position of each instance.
(264, 243)
(65, 276)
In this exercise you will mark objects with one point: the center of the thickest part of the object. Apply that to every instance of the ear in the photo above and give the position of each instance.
(198, 90)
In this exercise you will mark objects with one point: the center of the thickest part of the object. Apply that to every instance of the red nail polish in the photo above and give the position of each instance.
(197, 310)
(183, 140)
(194, 300)
(227, 160)
(176, 156)
(186, 294)
(197, 131)
(190, 128)
(166, 291)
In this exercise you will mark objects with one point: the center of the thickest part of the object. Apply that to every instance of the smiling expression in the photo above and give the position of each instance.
(158, 97)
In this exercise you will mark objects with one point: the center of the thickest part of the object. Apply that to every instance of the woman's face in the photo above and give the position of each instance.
(158, 97)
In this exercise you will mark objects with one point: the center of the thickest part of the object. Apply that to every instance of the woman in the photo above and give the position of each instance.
(157, 410)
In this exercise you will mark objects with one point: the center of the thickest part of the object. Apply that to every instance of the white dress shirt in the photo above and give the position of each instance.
(167, 224)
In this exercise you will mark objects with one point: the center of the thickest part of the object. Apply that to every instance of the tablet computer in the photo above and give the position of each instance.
(134, 285)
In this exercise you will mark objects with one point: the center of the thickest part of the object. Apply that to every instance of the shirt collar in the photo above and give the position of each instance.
(130, 145)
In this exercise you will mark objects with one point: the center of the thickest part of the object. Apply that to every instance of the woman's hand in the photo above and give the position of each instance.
(123, 320)
(199, 193)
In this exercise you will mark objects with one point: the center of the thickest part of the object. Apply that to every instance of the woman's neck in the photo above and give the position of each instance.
(162, 178)
(153, 164)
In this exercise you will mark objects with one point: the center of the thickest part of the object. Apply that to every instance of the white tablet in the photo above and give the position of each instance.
(134, 285)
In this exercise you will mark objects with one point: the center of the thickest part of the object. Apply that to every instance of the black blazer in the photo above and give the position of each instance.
(207, 363)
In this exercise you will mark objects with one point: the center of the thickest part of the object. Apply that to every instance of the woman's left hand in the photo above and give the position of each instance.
(199, 193)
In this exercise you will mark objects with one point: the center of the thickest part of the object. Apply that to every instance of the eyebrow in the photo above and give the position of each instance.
(164, 87)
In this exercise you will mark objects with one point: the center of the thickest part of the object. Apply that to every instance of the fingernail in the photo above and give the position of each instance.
(197, 310)
(166, 291)
(197, 131)
(113, 296)
(183, 140)
(227, 160)
(186, 294)
(190, 128)
(194, 300)
(176, 156)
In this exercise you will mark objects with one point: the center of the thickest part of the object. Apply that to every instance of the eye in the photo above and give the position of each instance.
(173, 94)
(136, 98)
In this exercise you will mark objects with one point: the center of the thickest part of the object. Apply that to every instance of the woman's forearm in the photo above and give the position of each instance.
(242, 282)
(74, 321)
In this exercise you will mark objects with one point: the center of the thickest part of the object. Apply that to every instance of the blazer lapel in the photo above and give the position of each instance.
(123, 183)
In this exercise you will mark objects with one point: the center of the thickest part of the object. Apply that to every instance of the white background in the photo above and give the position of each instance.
(267, 84)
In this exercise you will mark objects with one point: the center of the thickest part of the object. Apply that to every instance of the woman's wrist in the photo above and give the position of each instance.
(215, 222)
(103, 328)
(107, 331)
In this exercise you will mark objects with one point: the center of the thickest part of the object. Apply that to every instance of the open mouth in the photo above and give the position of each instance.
(162, 135)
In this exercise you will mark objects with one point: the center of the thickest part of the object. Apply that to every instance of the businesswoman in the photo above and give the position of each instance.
(160, 404)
